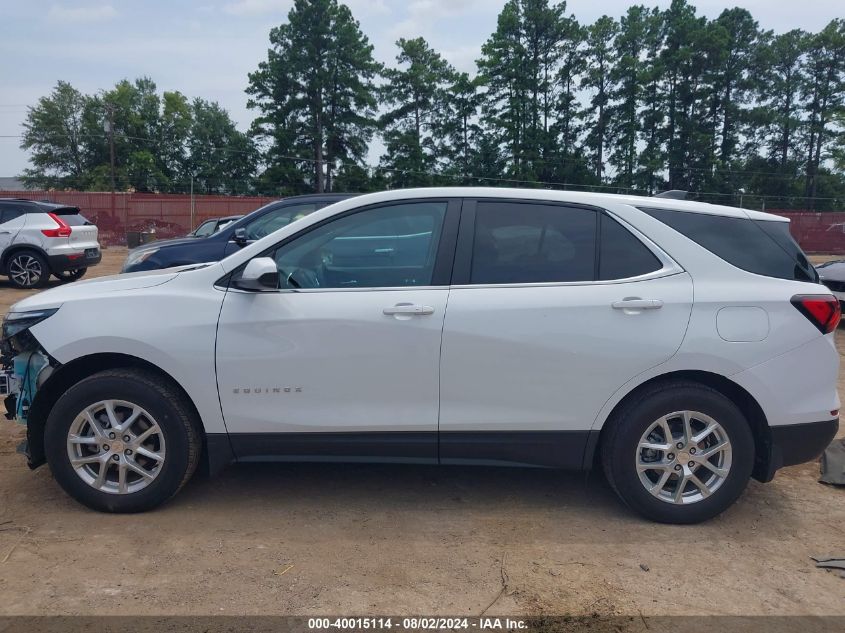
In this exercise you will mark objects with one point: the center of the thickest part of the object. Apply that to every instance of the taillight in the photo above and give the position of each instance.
(64, 229)
(822, 310)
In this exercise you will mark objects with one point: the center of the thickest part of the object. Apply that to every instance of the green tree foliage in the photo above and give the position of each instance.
(53, 134)
(824, 90)
(658, 98)
(597, 80)
(315, 97)
(415, 98)
(160, 142)
(518, 70)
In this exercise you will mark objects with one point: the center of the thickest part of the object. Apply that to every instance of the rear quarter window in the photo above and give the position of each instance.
(764, 247)
(622, 255)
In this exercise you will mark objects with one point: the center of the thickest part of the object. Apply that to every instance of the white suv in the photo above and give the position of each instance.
(684, 347)
(41, 238)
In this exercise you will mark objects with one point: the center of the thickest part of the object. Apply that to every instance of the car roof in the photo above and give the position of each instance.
(42, 205)
(577, 197)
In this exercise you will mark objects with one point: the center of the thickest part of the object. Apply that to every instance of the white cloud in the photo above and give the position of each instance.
(261, 7)
(257, 7)
(424, 16)
(367, 7)
(463, 57)
(96, 13)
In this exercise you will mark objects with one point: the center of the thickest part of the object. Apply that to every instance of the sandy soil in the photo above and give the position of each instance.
(342, 540)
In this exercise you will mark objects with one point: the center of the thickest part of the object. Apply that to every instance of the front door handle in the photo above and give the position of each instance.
(637, 304)
(408, 309)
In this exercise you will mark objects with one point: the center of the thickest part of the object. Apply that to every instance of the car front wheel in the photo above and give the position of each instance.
(680, 452)
(122, 441)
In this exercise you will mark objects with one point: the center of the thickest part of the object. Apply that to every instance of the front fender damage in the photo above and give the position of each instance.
(24, 368)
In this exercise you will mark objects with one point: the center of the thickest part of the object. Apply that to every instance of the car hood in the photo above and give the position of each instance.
(97, 287)
(832, 272)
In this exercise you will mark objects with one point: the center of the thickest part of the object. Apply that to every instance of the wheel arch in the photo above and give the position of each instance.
(215, 455)
(17, 248)
(746, 402)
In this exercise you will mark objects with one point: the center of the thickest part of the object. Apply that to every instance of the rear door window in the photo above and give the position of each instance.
(522, 242)
(9, 212)
(764, 247)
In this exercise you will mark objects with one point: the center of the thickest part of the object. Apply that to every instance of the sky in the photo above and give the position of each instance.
(206, 48)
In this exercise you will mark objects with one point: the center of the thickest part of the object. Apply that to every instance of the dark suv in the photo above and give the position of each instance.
(233, 236)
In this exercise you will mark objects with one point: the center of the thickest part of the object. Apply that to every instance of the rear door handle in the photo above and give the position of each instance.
(637, 304)
(409, 309)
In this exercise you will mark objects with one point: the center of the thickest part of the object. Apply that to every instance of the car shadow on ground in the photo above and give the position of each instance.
(537, 501)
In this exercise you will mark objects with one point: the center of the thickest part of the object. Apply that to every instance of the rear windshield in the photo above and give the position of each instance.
(71, 216)
(764, 247)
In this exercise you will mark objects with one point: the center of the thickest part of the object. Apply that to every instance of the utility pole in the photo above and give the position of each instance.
(110, 130)
(192, 201)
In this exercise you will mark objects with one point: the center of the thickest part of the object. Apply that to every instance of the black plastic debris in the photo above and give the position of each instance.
(833, 464)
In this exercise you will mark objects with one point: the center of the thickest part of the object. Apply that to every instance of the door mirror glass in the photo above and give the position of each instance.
(240, 236)
(259, 275)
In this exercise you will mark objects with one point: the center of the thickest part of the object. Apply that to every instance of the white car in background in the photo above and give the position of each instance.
(38, 239)
(681, 346)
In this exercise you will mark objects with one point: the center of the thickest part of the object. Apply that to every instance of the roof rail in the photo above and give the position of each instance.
(672, 194)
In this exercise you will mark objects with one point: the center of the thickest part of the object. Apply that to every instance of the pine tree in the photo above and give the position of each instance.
(824, 92)
(415, 94)
(315, 95)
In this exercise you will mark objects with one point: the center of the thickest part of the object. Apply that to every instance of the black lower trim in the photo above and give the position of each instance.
(60, 263)
(217, 453)
(340, 447)
(552, 449)
(799, 443)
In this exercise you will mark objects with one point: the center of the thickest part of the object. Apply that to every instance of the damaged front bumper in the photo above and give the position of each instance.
(24, 367)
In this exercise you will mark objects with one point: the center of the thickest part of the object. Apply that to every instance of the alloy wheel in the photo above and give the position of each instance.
(116, 447)
(683, 457)
(25, 270)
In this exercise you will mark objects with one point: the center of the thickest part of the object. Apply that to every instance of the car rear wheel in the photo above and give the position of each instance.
(28, 269)
(122, 441)
(680, 452)
(70, 275)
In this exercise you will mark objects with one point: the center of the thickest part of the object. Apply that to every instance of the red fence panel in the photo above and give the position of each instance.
(817, 232)
(168, 215)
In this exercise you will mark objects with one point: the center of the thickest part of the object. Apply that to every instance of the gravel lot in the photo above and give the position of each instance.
(343, 540)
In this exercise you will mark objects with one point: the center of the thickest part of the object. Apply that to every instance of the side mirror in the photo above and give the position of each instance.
(260, 275)
(240, 236)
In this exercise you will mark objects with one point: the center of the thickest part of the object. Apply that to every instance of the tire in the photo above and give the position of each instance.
(176, 443)
(28, 269)
(644, 488)
(70, 275)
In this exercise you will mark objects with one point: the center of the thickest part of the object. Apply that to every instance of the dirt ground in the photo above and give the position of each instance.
(344, 540)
